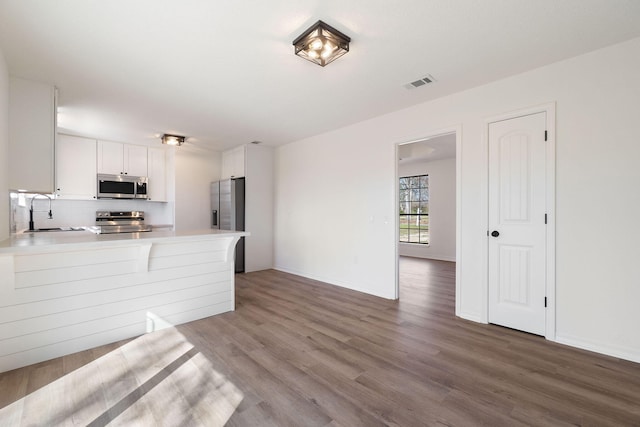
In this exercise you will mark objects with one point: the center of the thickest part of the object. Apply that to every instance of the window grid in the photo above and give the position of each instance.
(414, 209)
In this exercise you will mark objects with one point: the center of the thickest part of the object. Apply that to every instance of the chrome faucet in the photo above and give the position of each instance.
(31, 225)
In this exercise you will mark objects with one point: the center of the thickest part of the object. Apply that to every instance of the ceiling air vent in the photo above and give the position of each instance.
(420, 82)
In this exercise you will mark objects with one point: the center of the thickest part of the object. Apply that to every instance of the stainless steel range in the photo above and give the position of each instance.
(121, 222)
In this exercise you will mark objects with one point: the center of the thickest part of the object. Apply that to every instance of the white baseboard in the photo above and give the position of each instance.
(430, 256)
(474, 317)
(330, 281)
(610, 350)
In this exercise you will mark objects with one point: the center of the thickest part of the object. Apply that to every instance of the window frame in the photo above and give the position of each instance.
(421, 191)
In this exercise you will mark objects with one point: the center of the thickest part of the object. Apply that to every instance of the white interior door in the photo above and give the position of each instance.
(517, 223)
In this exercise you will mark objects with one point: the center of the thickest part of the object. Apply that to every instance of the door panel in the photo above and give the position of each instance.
(215, 204)
(226, 222)
(517, 241)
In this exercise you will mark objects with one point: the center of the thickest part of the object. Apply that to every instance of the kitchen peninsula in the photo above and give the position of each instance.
(63, 292)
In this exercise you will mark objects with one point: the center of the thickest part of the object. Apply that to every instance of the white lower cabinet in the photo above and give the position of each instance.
(75, 168)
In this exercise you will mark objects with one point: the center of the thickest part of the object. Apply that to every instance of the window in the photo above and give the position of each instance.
(414, 209)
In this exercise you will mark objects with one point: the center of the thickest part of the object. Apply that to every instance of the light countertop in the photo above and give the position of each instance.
(39, 240)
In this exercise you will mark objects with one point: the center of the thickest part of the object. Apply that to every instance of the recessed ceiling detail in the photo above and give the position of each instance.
(420, 82)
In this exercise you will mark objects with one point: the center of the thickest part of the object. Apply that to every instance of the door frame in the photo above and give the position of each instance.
(550, 201)
(457, 129)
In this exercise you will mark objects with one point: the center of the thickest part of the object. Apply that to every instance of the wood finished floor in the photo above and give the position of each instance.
(297, 352)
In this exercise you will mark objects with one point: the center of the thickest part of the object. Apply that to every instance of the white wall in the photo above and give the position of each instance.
(335, 194)
(334, 210)
(4, 148)
(259, 207)
(442, 209)
(195, 169)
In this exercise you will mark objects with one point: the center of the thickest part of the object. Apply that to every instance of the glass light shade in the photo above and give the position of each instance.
(321, 44)
(173, 139)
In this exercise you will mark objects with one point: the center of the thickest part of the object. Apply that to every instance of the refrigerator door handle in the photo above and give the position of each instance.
(214, 218)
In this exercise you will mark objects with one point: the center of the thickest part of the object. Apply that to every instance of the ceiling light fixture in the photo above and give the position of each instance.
(172, 139)
(321, 44)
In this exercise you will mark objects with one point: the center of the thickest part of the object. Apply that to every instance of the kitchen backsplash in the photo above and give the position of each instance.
(78, 213)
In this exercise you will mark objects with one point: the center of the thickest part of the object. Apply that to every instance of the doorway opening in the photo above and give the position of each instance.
(427, 202)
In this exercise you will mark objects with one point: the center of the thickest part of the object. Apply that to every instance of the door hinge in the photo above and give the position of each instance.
(545, 301)
(545, 135)
(545, 218)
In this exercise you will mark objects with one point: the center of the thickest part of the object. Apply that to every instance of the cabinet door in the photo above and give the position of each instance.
(110, 158)
(227, 165)
(75, 167)
(31, 135)
(233, 163)
(135, 160)
(238, 162)
(157, 175)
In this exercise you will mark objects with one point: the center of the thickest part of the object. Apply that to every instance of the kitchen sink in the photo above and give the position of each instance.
(38, 230)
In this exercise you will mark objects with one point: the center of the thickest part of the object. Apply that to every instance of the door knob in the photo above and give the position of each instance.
(495, 233)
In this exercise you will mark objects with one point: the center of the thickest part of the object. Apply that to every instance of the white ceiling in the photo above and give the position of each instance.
(437, 148)
(223, 72)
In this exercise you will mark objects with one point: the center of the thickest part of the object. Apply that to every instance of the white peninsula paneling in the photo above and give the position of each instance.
(60, 298)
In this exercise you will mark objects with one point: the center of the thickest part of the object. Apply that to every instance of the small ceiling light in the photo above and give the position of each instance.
(172, 139)
(321, 44)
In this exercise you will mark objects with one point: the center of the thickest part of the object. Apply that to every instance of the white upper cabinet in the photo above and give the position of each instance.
(135, 160)
(110, 158)
(233, 163)
(75, 168)
(157, 174)
(117, 158)
(32, 127)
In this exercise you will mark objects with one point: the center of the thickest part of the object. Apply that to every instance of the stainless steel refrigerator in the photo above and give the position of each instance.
(227, 211)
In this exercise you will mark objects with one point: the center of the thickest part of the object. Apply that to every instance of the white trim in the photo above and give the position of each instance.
(550, 116)
(396, 210)
(550, 332)
(436, 257)
(458, 297)
(626, 353)
(332, 282)
(484, 219)
(457, 129)
(474, 317)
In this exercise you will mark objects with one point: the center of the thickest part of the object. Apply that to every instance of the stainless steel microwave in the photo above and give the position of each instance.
(122, 187)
